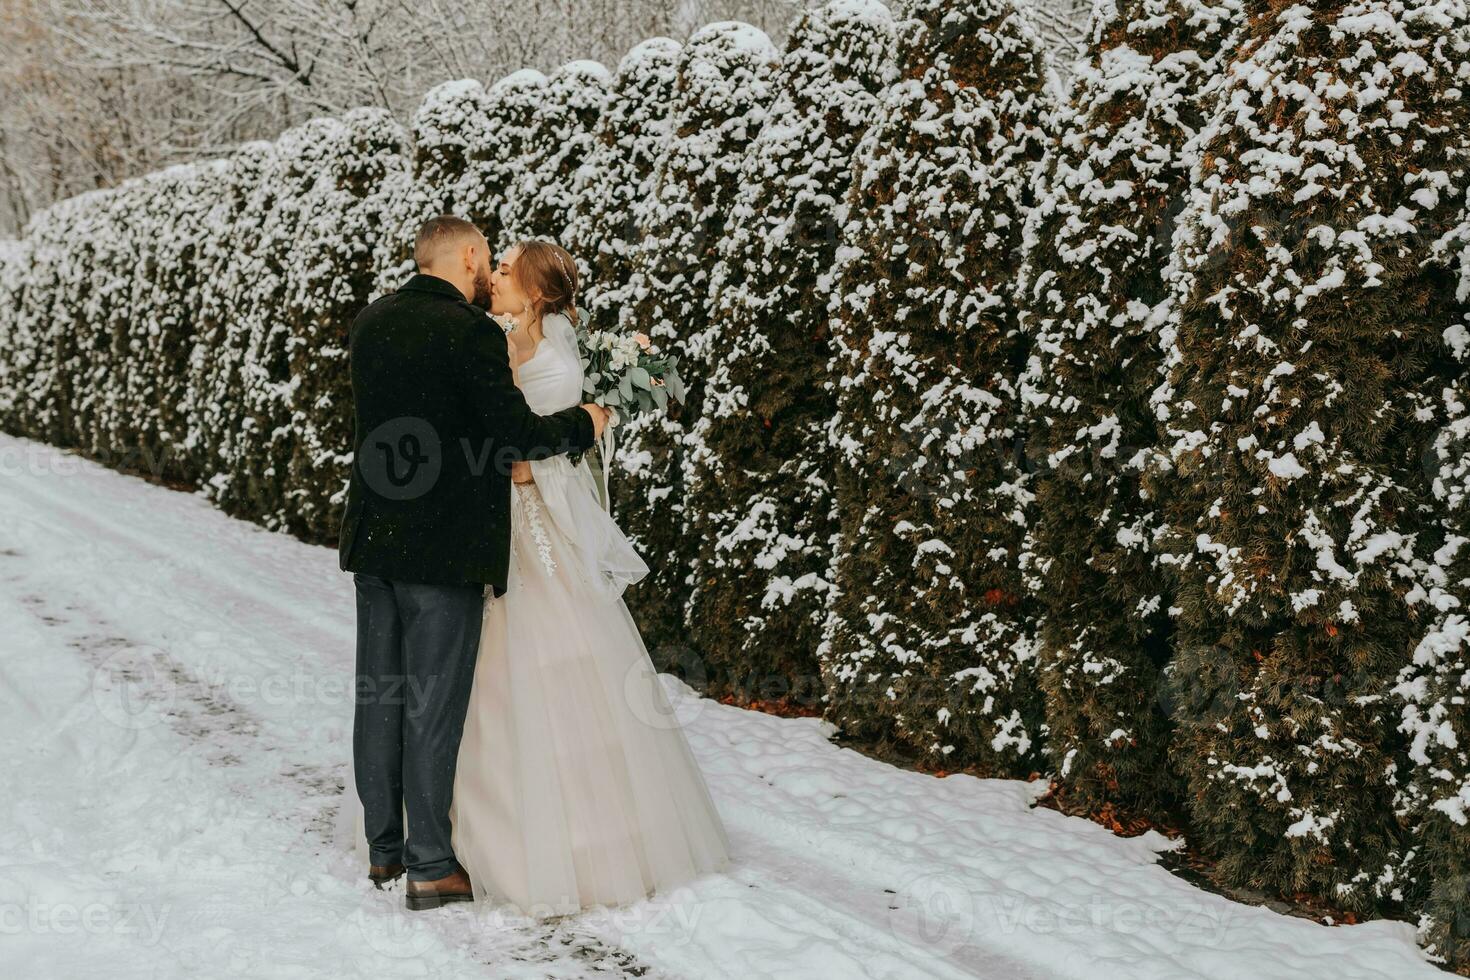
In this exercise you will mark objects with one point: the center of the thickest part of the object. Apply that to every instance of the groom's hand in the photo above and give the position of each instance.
(599, 418)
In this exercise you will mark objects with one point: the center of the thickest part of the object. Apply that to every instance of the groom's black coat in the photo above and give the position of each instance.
(438, 422)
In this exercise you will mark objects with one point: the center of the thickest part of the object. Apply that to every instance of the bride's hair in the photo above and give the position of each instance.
(546, 271)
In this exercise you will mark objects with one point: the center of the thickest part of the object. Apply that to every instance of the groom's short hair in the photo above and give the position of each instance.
(441, 233)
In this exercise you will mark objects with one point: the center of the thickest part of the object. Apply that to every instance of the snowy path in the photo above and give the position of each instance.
(175, 709)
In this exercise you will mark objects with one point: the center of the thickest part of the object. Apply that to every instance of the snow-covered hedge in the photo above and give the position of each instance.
(341, 247)
(1306, 361)
(539, 203)
(498, 161)
(191, 324)
(760, 506)
(719, 104)
(230, 264)
(1435, 687)
(1096, 247)
(451, 127)
(16, 267)
(619, 172)
(930, 638)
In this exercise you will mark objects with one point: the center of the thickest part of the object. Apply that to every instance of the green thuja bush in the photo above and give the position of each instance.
(163, 335)
(539, 202)
(362, 171)
(224, 261)
(760, 504)
(258, 469)
(1305, 362)
(1435, 687)
(1091, 287)
(105, 317)
(618, 174)
(498, 160)
(15, 342)
(233, 302)
(64, 238)
(929, 640)
(723, 85)
(451, 125)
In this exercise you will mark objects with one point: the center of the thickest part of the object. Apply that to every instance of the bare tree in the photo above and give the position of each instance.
(100, 90)
(1063, 26)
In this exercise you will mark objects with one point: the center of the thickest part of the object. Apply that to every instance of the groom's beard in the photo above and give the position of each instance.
(482, 291)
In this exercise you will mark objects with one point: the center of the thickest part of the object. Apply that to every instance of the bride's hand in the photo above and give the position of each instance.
(520, 472)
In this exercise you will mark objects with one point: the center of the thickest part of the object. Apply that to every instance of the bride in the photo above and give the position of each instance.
(575, 786)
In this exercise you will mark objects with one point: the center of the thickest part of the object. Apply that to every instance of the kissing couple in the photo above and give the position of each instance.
(511, 739)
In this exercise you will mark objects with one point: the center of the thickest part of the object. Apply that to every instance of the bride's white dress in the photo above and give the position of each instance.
(575, 784)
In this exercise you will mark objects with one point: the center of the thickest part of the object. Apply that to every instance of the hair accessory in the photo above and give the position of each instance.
(564, 273)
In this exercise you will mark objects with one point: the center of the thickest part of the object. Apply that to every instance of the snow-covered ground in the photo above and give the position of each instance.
(175, 709)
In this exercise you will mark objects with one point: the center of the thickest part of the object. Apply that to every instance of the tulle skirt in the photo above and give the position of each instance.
(575, 784)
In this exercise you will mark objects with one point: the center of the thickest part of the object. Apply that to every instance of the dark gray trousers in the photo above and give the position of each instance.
(416, 647)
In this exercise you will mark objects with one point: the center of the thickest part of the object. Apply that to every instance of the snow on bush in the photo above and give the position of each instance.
(723, 86)
(191, 324)
(498, 161)
(1435, 686)
(15, 344)
(929, 638)
(226, 257)
(102, 318)
(258, 471)
(1092, 283)
(362, 166)
(619, 170)
(63, 238)
(760, 504)
(539, 203)
(219, 420)
(101, 329)
(452, 121)
(1305, 360)
(470, 145)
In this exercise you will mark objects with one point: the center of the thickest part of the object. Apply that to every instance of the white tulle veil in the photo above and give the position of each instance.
(572, 493)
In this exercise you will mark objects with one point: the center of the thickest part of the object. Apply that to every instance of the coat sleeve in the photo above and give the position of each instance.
(517, 432)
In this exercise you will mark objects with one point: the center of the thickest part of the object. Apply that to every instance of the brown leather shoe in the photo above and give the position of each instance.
(453, 887)
(381, 874)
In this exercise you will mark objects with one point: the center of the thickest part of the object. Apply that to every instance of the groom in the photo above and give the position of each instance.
(438, 422)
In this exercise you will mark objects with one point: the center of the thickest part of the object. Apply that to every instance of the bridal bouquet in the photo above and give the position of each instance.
(624, 373)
